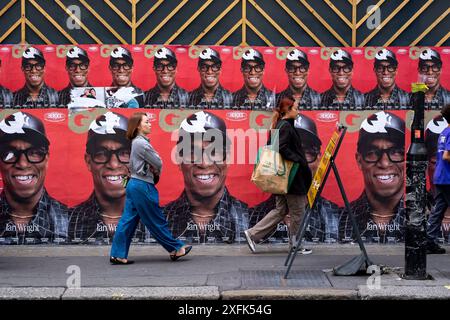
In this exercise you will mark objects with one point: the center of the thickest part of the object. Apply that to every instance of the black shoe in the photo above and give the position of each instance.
(114, 260)
(434, 248)
(175, 257)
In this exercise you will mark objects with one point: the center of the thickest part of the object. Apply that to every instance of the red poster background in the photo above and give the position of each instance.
(231, 78)
(69, 181)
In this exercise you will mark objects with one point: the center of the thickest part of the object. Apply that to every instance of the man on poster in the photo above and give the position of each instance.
(77, 67)
(430, 70)
(107, 157)
(205, 212)
(379, 211)
(297, 70)
(6, 97)
(342, 95)
(166, 94)
(210, 94)
(386, 95)
(123, 94)
(253, 95)
(35, 93)
(28, 214)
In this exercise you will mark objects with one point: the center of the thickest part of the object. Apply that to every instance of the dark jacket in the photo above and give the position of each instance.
(48, 98)
(290, 148)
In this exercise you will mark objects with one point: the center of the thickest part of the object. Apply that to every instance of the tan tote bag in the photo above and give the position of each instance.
(271, 172)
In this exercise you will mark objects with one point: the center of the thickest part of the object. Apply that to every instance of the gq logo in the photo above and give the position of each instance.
(371, 52)
(61, 50)
(79, 122)
(170, 120)
(105, 50)
(149, 51)
(195, 51)
(18, 50)
(239, 51)
(415, 52)
(282, 52)
(325, 53)
(260, 120)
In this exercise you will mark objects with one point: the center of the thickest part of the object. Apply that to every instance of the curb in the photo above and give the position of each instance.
(386, 292)
(96, 293)
(290, 294)
(143, 293)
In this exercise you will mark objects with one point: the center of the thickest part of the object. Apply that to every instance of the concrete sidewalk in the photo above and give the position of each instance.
(211, 272)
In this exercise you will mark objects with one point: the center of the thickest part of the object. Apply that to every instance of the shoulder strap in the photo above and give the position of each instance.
(276, 135)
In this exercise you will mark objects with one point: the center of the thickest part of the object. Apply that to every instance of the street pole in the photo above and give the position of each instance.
(416, 165)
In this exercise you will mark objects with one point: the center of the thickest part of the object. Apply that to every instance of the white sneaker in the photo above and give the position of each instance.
(304, 251)
(250, 242)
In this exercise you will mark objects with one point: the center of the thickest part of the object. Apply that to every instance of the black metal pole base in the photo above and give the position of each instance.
(415, 254)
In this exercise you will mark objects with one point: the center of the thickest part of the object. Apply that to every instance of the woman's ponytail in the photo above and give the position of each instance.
(280, 110)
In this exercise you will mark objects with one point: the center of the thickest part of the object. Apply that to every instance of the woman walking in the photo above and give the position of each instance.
(142, 199)
(294, 202)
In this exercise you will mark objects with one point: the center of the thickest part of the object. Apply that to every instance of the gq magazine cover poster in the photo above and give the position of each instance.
(64, 152)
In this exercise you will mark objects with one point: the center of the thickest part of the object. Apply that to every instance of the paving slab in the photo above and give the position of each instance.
(290, 294)
(405, 293)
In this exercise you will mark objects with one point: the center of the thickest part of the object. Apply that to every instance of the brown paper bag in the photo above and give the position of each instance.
(272, 173)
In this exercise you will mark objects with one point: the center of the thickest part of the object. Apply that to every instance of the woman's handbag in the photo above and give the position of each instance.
(271, 172)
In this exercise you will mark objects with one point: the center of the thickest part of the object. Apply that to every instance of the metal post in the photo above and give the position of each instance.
(416, 165)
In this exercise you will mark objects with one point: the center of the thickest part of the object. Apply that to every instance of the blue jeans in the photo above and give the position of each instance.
(142, 203)
(442, 201)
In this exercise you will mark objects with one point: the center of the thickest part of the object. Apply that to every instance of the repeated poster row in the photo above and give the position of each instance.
(220, 77)
(62, 174)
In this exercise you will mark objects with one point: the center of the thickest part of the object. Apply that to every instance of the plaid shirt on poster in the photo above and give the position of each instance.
(323, 223)
(265, 100)
(48, 98)
(49, 224)
(223, 99)
(228, 225)
(354, 100)
(6, 98)
(178, 98)
(310, 99)
(86, 225)
(398, 100)
(369, 230)
(440, 99)
(445, 233)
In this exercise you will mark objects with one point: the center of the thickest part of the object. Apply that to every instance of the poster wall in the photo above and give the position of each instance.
(359, 75)
(67, 171)
(64, 154)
